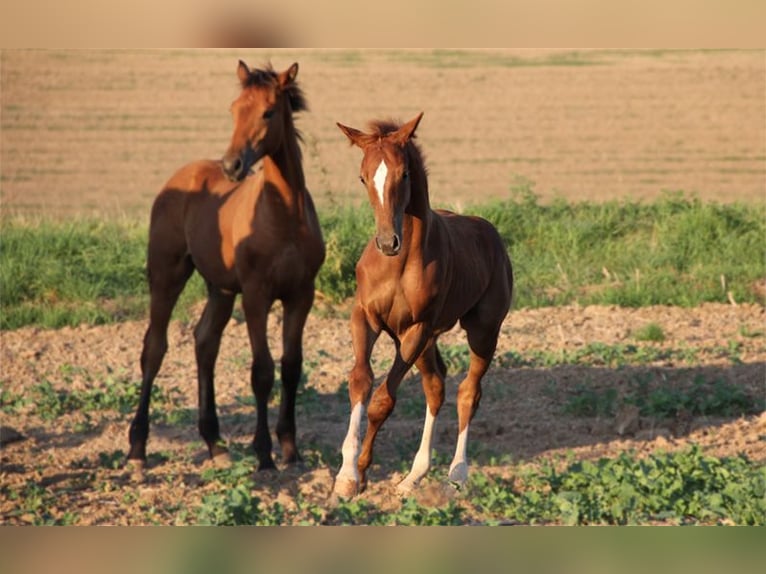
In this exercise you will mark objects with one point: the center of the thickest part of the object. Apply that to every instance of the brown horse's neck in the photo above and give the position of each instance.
(284, 166)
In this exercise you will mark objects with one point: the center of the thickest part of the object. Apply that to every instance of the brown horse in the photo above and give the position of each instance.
(423, 271)
(255, 234)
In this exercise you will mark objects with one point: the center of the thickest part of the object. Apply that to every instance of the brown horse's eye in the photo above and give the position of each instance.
(406, 174)
(361, 178)
(267, 114)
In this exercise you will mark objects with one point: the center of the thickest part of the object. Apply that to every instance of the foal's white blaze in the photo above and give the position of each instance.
(351, 447)
(458, 470)
(422, 461)
(380, 180)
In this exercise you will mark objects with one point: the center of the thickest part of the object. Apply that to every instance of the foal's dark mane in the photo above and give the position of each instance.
(267, 77)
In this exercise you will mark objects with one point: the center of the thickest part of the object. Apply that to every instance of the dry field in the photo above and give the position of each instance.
(98, 133)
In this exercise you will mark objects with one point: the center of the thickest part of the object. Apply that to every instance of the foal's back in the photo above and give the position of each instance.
(479, 269)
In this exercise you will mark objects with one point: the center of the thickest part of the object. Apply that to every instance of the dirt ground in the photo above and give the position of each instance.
(522, 417)
(100, 132)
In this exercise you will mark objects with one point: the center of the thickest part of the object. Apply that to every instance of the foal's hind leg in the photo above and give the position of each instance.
(296, 311)
(207, 342)
(482, 340)
(432, 374)
(167, 279)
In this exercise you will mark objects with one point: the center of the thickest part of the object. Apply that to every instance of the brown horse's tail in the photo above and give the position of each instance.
(440, 364)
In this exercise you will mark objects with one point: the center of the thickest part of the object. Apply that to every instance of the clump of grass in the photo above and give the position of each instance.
(650, 332)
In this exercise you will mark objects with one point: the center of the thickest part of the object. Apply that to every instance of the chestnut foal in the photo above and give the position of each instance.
(422, 272)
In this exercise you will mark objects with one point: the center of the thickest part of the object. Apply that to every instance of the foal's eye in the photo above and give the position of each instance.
(267, 114)
(361, 178)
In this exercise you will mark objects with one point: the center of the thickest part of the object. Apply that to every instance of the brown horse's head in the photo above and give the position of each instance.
(385, 172)
(260, 113)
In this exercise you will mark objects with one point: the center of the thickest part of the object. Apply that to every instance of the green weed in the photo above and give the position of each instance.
(650, 332)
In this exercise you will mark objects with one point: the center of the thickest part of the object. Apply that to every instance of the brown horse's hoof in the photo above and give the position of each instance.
(346, 487)
(222, 460)
(136, 470)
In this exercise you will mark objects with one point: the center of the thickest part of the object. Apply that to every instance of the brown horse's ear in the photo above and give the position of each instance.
(243, 73)
(355, 136)
(288, 76)
(407, 131)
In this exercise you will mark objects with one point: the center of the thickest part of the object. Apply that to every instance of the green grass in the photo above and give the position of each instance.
(674, 251)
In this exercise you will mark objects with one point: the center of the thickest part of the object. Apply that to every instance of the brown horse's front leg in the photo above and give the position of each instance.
(363, 338)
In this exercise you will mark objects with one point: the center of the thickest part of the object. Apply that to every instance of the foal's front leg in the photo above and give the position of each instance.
(409, 347)
(363, 338)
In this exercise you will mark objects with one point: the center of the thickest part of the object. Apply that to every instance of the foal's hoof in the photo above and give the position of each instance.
(136, 470)
(346, 487)
(458, 474)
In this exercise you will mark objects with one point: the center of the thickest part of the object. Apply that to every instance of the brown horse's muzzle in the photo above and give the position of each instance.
(237, 166)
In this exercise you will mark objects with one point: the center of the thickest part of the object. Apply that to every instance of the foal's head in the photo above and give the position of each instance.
(385, 172)
(267, 99)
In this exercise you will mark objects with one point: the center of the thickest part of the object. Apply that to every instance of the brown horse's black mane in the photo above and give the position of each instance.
(382, 128)
(267, 77)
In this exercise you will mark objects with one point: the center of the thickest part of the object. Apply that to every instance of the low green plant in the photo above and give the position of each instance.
(35, 504)
(114, 394)
(686, 487)
(700, 397)
(588, 402)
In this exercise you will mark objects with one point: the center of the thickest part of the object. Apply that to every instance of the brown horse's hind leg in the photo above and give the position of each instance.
(207, 342)
(432, 372)
(295, 313)
(166, 284)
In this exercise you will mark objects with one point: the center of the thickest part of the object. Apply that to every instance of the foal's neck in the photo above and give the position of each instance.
(418, 212)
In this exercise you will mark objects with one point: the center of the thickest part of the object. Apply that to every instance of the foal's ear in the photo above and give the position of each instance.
(288, 76)
(407, 131)
(355, 136)
(243, 73)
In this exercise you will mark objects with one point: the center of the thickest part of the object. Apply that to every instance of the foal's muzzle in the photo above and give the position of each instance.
(388, 245)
